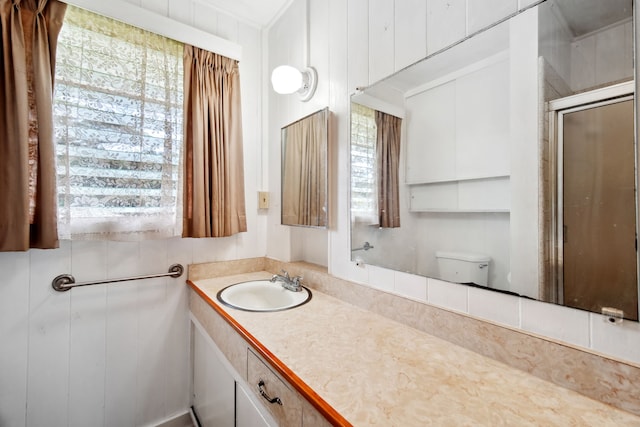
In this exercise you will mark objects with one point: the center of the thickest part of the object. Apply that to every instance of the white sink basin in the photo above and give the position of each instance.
(262, 295)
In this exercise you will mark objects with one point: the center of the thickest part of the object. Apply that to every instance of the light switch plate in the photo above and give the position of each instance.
(263, 200)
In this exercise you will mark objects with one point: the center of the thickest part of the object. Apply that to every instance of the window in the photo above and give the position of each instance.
(364, 197)
(118, 129)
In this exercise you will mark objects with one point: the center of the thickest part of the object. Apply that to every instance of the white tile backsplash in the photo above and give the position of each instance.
(448, 295)
(357, 273)
(577, 327)
(494, 306)
(410, 286)
(619, 340)
(555, 321)
(381, 278)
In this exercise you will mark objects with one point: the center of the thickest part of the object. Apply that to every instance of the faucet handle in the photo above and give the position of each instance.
(296, 280)
(285, 273)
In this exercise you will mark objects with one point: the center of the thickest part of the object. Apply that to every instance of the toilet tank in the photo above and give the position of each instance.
(462, 267)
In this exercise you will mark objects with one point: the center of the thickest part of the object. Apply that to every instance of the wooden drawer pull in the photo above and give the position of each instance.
(264, 394)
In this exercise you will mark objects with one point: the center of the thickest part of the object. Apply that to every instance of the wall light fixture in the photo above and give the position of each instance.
(286, 79)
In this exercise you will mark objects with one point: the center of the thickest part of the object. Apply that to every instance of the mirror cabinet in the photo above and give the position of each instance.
(304, 171)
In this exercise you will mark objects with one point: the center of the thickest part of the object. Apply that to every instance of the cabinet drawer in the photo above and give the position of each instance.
(287, 410)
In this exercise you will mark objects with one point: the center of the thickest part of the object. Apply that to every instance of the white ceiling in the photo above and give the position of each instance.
(257, 12)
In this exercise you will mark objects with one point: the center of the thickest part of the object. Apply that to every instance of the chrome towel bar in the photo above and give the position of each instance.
(64, 282)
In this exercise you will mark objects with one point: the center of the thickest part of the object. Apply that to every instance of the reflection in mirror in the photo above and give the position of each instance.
(596, 208)
(304, 171)
(588, 163)
(511, 175)
(375, 160)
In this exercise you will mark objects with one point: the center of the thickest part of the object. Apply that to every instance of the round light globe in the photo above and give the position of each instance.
(286, 79)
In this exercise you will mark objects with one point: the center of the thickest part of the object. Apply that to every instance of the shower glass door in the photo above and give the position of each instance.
(597, 207)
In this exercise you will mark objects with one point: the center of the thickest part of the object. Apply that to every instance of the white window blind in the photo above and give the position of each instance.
(118, 127)
(364, 190)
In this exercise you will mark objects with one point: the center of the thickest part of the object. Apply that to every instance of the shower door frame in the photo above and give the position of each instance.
(556, 110)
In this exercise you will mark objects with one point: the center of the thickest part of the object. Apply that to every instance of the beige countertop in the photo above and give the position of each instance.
(377, 372)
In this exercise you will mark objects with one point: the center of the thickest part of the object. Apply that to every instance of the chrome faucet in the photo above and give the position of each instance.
(292, 284)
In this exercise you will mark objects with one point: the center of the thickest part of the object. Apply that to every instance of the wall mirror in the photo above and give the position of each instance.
(518, 165)
(304, 171)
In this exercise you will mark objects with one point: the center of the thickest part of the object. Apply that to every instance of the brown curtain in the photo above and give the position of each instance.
(214, 203)
(304, 180)
(28, 215)
(388, 158)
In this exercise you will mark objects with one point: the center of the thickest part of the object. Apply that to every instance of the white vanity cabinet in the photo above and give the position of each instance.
(213, 385)
(247, 413)
(220, 398)
(227, 373)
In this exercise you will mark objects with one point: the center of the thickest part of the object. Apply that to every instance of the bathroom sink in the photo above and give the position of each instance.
(262, 295)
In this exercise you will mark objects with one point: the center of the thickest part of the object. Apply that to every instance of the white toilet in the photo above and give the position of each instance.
(461, 267)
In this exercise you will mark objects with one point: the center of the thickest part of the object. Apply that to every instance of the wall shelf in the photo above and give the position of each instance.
(462, 210)
(491, 194)
(458, 179)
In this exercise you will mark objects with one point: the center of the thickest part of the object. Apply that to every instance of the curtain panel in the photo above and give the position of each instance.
(28, 216)
(214, 204)
(388, 158)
